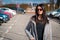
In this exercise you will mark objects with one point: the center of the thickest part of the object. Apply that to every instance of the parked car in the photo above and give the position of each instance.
(53, 13)
(1, 22)
(21, 10)
(13, 12)
(57, 15)
(4, 18)
(48, 13)
(13, 8)
(5, 12)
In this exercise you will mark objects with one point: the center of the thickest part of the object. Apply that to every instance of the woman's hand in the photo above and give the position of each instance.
(32, 38)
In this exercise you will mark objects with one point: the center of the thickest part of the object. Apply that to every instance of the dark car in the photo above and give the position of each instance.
(13, 8)
(4, 18)
(21, 10)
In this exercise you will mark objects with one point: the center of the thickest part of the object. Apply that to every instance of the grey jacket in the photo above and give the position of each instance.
(31, 31)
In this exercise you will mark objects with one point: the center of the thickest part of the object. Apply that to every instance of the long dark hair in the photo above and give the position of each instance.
(45, 20)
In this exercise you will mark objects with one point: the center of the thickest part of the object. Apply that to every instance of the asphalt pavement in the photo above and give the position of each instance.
(15, 28)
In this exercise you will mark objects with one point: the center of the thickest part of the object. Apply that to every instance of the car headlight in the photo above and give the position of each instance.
(24, 10)
(4, 16)
(1, 17)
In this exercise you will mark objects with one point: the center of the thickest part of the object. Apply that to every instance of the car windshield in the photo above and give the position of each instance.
(20, 9)
(58, 10)
(57, 13)
(4, 9)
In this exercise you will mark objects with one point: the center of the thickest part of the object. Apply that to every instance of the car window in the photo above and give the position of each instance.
(58, 10)
(20, 9)
(4, 9)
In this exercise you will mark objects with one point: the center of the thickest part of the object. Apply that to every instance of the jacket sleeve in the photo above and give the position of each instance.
(28, 29)
(48, 32)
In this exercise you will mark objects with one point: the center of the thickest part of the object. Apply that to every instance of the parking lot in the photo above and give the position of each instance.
(14, 29)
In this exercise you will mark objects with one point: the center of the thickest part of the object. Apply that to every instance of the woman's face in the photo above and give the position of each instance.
(40, 10)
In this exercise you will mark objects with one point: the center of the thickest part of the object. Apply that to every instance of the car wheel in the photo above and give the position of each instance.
(0, 24)
(1, 21)
(51, 15)
(5, 22)
(59, 17)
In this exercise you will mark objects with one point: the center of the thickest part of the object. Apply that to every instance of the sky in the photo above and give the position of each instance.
(25, 1)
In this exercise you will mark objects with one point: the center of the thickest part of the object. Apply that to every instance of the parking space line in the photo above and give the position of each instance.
(1, 38)
(12, 24)
(7, 31)
(9, 28)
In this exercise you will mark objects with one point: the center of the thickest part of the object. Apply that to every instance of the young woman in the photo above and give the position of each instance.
(39, 27)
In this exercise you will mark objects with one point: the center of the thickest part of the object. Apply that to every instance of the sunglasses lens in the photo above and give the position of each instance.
(40, 9)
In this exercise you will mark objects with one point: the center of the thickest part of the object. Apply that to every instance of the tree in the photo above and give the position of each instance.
(51, 4)
(58, 3)
(25, 6)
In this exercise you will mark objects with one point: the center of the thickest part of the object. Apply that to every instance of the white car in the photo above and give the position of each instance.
(56, 11)
(13, 12)
(52, 13)
(57, 15)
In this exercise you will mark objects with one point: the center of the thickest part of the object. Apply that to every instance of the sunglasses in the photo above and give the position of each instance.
(40, 9)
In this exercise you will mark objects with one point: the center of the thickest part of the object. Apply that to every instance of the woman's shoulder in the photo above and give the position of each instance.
(33, 17)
